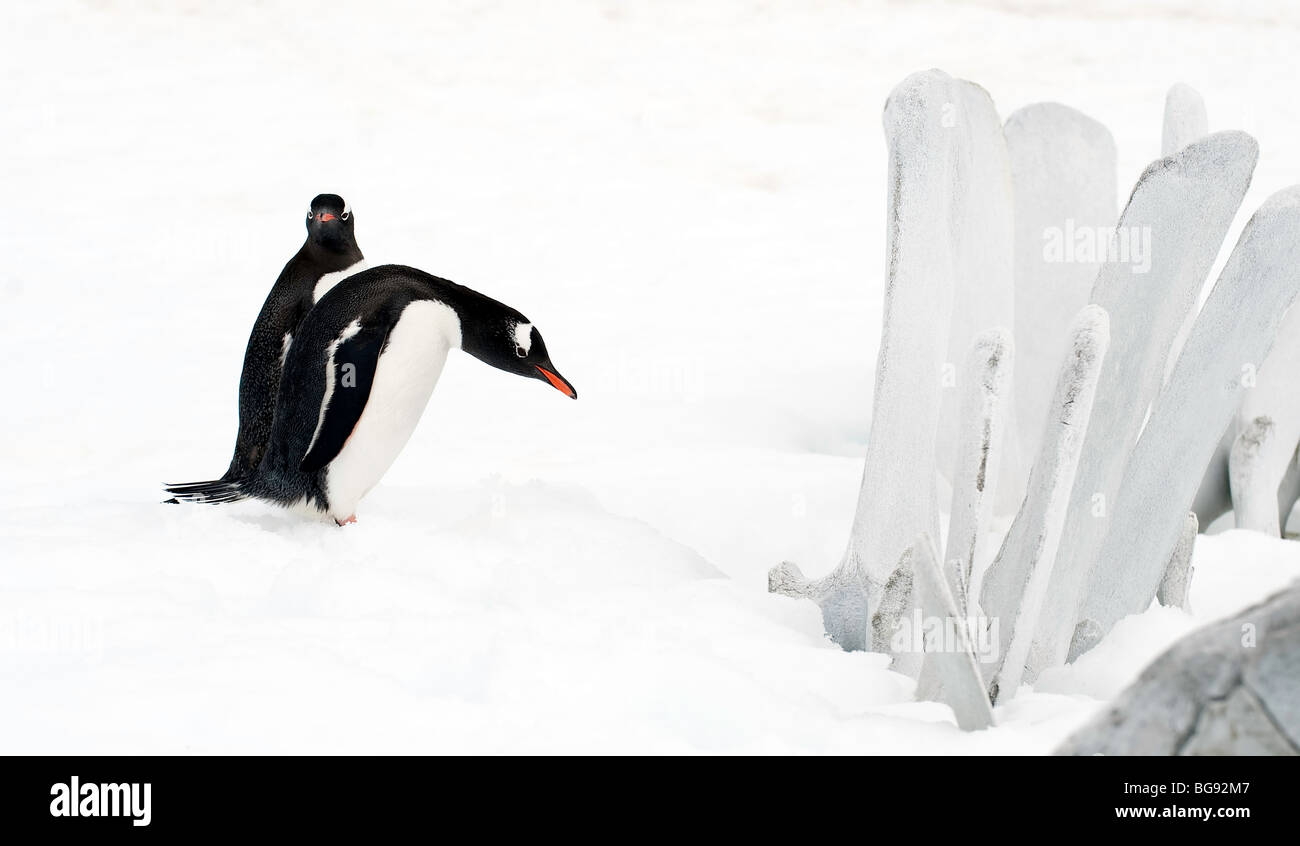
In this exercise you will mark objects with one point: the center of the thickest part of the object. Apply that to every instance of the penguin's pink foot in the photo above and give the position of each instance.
(351, 519)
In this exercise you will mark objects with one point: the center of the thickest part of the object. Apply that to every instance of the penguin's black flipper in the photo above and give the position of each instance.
(355, 361)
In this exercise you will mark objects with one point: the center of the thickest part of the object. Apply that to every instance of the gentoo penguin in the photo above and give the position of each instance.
(329, 254)
(357, 377)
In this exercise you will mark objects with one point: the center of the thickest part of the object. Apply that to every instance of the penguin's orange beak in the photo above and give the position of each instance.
(324, 216)
(558, 382)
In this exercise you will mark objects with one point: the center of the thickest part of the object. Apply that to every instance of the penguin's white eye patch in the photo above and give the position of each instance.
(347, 211)
(523, 333)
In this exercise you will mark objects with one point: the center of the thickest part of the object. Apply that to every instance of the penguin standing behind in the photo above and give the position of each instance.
(359, 374)
(329, 254)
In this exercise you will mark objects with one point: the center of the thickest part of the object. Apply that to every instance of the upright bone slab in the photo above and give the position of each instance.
(981, 232)
(989, 368)
(948, 651)
(1185, 122)
(1214, 496)
(1178, 213)
(1185, 119)
(1063, 170)
(1252, 482)
(1237, 324)
(1177, 581)
(896, 600)
(1288, 492)
(928, 132)
(1012, 592)
(1261, 459)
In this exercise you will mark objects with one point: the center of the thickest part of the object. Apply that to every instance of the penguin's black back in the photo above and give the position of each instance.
(374, 298)
(285, 307)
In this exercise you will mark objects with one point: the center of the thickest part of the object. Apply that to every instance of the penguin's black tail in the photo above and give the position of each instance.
(215, 492)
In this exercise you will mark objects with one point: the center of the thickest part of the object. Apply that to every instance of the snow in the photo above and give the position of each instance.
(688, 200)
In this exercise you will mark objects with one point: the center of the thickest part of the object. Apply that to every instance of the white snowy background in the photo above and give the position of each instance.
(688, 200)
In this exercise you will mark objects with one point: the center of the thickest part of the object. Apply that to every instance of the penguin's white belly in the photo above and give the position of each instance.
(405, 376)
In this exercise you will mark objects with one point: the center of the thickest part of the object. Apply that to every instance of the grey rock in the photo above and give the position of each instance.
(1231, 688)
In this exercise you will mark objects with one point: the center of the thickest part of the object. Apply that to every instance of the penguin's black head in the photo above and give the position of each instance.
(513, 344)
(330, 222)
